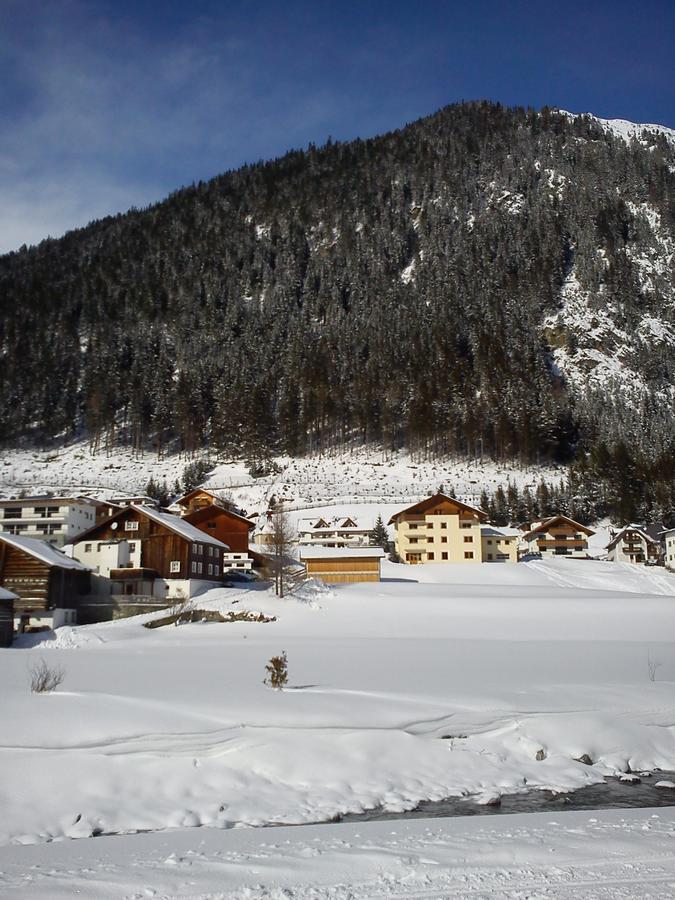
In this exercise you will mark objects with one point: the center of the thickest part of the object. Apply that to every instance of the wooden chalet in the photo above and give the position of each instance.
(197, 499)
(139, 546)
(7, 599)
(48, 584)
(636, 544)
(223, 524)
(557, 536)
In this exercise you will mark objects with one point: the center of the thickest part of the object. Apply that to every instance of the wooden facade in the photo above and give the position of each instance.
(558, 536)
(223, 524)
(40, 586)
(163, 550)
(7, 599)
(342, 567)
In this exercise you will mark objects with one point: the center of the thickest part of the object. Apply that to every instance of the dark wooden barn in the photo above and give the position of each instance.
(48, 584)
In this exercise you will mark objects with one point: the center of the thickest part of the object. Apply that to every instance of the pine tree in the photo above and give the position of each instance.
(379, 536)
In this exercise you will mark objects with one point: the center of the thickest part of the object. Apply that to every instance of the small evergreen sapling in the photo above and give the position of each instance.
(277, 672)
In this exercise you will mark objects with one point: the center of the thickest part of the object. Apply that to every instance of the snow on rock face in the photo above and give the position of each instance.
(624, 129)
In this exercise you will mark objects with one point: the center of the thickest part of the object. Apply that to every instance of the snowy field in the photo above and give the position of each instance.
(440, 681)
(610, 855)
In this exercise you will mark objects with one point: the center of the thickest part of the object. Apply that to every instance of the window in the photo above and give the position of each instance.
(131, 525)
(466, 524)
(194, 567)
(216, 570)
(13, 512)
(413, 526)
(468, 555)
(489, 542)
(444, 524)
(132, 547)
(430, 555)
(430, 524)
(194, 548)
(87, 548)
(468, 538)
(52, 511)
(200, 568)
(210, 568)
(430, 540)
(413, 540)
(201, 549)
(444, 555)
(444, 540)
(489, 556)
(210, 550)
(174, 566)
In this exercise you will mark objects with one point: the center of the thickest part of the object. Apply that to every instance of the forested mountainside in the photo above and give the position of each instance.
(483, 277)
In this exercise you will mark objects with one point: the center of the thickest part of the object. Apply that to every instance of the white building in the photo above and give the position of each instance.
(556, 536)
(56, 520)
(670, 548)
(634, 544)
(340, 531)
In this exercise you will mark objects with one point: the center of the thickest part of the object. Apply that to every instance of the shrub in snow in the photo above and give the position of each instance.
(44, 678)
(277, 672)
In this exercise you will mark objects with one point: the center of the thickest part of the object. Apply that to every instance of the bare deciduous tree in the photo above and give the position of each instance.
(44, 678)
(282, 538)
(652, 666)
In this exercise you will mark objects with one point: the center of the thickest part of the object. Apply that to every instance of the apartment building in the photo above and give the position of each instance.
(339, 531)
(634, 544)
(556, 536)
(439, 529)
(56, 520)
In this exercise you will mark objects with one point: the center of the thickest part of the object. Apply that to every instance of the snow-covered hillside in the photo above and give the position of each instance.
(366, 477)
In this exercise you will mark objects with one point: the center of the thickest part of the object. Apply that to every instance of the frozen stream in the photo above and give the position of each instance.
(614, 794)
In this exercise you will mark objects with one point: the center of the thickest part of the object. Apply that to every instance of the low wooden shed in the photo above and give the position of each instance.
(342, 565)
(7, 599)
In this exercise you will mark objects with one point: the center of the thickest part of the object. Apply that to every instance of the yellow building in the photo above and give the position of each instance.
(439, 529)
(499, 544)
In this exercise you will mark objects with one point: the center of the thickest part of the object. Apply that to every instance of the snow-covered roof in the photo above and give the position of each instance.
(491, 531)
(181, 527)
(546, 523)
(7, 595)
(43, 551)
(640, 529)
(340, 552)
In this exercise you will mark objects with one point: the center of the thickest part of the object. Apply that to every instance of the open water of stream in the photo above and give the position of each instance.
(613, 794)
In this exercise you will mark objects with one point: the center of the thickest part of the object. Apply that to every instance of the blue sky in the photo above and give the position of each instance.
(105, 105)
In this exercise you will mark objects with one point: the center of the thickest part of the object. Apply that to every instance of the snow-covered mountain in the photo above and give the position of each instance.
(485, 277)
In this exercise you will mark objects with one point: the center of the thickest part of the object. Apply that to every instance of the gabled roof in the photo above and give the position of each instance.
(43, 551)
(640, 530)
(172, 523)
(214, 509)
(430, 502)
(185, 499)
(543, 526)
(7, 595)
